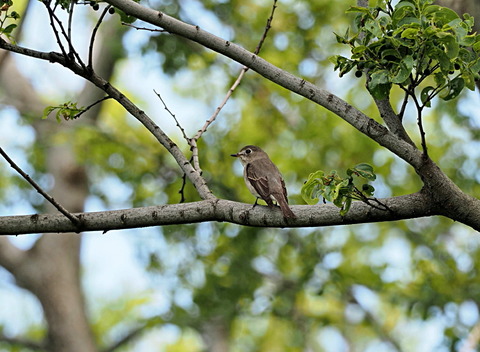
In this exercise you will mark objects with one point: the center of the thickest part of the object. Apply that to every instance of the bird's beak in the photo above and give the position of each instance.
(234, 155)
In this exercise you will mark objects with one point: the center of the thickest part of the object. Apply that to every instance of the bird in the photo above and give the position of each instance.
(263, 179)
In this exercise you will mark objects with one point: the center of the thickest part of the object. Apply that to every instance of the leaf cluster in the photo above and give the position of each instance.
(67, 111)
(340, 191)
(405, 44)
(5, 28)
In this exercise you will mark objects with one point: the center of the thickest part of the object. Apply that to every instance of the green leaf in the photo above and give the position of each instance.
(410, 33)
(379, 77)
(47, 111)
(454, 88)
(404, 70)
(346, 206)
(441, 15)
(368, 190)
(424, 95)
(310, 189)
(366, 171)
(8, 29)
(450, 44)
(441, 57)
(469, 79)
(440, 79)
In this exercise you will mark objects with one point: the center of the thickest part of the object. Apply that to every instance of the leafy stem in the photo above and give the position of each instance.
(340, 190)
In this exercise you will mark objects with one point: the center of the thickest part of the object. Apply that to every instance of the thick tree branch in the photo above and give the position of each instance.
(403, 207)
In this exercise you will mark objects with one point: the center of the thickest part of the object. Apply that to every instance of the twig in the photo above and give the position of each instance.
(69, 28)
(191, 142)
(222, 104)
(420, 125)
(76, 116)
(75, 220)
(52, 24)
(94, 33)
(72, 51)
(410, 92)
(198, 135)
(404, 106)
(182, 189)
(173, 115)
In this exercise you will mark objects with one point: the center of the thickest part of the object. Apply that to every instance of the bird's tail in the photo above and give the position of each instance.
(287, 212)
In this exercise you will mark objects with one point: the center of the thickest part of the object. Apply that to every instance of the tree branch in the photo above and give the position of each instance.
(39, 189)
(193, 175)
(392, 120)
(353, 116)
(403, 207)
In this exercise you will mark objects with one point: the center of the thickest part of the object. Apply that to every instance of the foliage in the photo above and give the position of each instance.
(67, 111)
(6, 28)
(340, 191)
(406, 44)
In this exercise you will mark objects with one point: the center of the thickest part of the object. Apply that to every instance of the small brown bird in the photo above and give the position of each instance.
(263, 179)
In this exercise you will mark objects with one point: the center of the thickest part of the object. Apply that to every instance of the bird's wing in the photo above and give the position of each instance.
(259, 180)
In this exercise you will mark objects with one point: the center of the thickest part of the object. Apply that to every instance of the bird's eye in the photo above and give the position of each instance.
(248, 151)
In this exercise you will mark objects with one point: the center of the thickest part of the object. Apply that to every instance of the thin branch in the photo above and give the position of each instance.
(182, 189)
(222, 104)
(267, 28)
(239, 78)
(90, 106)
(54, 28)
(392, 120)
(69, 28)
(367, 200)
(94, 33)
(173, 115)
(75, 220)
(200, 132)
(72, 52)
(404, 106)
(420, 124)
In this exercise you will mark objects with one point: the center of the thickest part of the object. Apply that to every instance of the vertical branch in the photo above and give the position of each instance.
(69, 28)
(94, 33)
(54, 28)
(54, 19)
